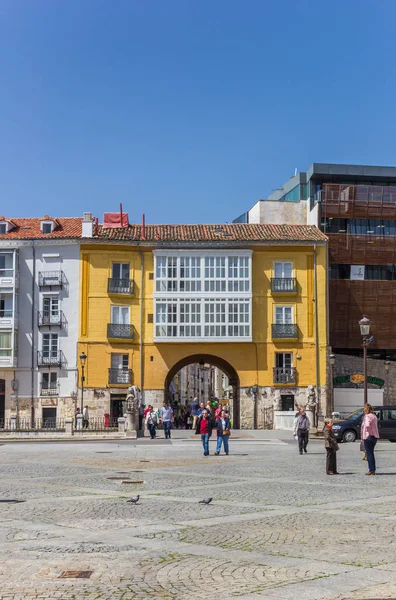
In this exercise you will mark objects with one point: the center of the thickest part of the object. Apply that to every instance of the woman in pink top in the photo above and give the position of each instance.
(370, 435)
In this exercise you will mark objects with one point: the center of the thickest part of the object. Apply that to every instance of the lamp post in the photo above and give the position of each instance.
(387, 367)
(364, 325)
(83, 360)
(332, 360)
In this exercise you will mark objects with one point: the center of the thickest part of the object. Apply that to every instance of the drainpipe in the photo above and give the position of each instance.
(33, 333)
(141, 323)
(316, 333)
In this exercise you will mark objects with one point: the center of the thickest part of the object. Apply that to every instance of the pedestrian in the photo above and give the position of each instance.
(75, 416)
(166, 419)
(331, 446)
(301, 430)
(141, 416)
(209, 407)
(223, 432)
(85, 417)
(370, 436)
(194, 408)
(204, 429)
(151, 422)
(201, 409)
(218, 411)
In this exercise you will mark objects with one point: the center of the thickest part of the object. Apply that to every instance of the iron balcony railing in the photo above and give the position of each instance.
(284, 330)
(6, 313)
(51, 279)
(120, 376)
(285, 375)
(48, 319)
(20, 424)
(49, 391)
(118, 331)
(50, 359)
(96, 424)
(119, 286)
(284, 284)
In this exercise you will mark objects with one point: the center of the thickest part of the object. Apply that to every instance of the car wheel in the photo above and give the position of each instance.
(349, 436)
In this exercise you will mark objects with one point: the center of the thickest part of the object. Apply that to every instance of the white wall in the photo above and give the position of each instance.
(274, 212)
(62, 256)
(346, 400)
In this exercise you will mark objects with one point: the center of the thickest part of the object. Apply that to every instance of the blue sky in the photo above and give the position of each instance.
(187, 110)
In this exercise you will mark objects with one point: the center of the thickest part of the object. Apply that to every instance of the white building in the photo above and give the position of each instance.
(39, 298)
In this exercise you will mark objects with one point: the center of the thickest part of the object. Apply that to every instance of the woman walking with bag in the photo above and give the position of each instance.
(223, 432)
(331, 446)
(369, 436)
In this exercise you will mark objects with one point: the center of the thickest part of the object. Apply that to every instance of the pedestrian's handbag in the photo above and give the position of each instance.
(362, 448)
(227, 431)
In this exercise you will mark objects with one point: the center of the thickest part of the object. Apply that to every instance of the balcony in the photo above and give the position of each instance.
(282, 331)
(120, 286)
(51, 279)
(49, 391)
(7, 359)
(7, 320)
(117, 331)
(120, 376)
(285, 375)
(284, 285)
(51, 319)
(50, 359)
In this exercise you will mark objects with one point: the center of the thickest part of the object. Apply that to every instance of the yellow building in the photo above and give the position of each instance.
(247, 298)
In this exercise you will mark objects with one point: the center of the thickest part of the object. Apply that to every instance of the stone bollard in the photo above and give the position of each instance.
(121, 424)
(79, 419)
(13, 422)
(69, 426)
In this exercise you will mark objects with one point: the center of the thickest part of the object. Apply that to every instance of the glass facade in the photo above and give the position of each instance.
(202, 297)
(359, 226)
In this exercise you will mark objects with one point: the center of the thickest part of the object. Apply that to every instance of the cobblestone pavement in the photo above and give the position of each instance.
(278, 527)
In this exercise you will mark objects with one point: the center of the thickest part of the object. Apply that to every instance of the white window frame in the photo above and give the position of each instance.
(51, 385)
(44, 223)
(52, 353)
(284, 306)
(3, 227)
(121, 266)
(122, 309)
(284, 355)
(53, 314)
(283, 263)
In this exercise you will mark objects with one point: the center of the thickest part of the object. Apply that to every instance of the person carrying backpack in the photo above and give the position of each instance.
(301, 430)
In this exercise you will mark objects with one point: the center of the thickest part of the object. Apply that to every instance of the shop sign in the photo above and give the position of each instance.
(357, 378)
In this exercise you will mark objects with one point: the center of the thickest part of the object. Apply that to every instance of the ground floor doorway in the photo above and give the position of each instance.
(117, 407)
(2, 402)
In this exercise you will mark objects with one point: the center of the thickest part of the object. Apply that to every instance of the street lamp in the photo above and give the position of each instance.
(83, 360)
(332, 360)
(364, 325)
(387, 367)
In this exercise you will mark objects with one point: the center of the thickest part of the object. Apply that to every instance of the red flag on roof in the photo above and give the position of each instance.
(115, 220)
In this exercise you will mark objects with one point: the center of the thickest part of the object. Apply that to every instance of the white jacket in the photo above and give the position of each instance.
(296, 422)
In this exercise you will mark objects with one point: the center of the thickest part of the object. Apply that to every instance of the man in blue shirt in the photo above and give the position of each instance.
(166, 419)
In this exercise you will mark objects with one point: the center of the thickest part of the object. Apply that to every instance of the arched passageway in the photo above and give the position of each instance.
(221, 364)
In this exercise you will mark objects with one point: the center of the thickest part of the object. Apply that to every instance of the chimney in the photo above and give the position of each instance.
(87, 225)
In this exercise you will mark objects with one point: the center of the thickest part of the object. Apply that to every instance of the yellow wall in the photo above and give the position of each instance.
(252, 361)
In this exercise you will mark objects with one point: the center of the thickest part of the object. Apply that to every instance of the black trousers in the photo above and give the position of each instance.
(331, 461)
(302, 439)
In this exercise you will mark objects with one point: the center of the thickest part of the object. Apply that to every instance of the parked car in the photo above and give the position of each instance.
(348, 429)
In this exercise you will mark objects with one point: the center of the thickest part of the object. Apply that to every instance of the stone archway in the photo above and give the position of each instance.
(216, 361)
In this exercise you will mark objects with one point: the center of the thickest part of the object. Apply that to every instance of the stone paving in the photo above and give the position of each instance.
(278, 527)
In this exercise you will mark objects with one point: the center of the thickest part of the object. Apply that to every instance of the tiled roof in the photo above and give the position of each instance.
(230, 232)
(65, 227)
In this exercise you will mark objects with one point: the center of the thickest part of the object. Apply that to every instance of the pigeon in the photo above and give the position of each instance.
(134, 500)
(205, 501)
